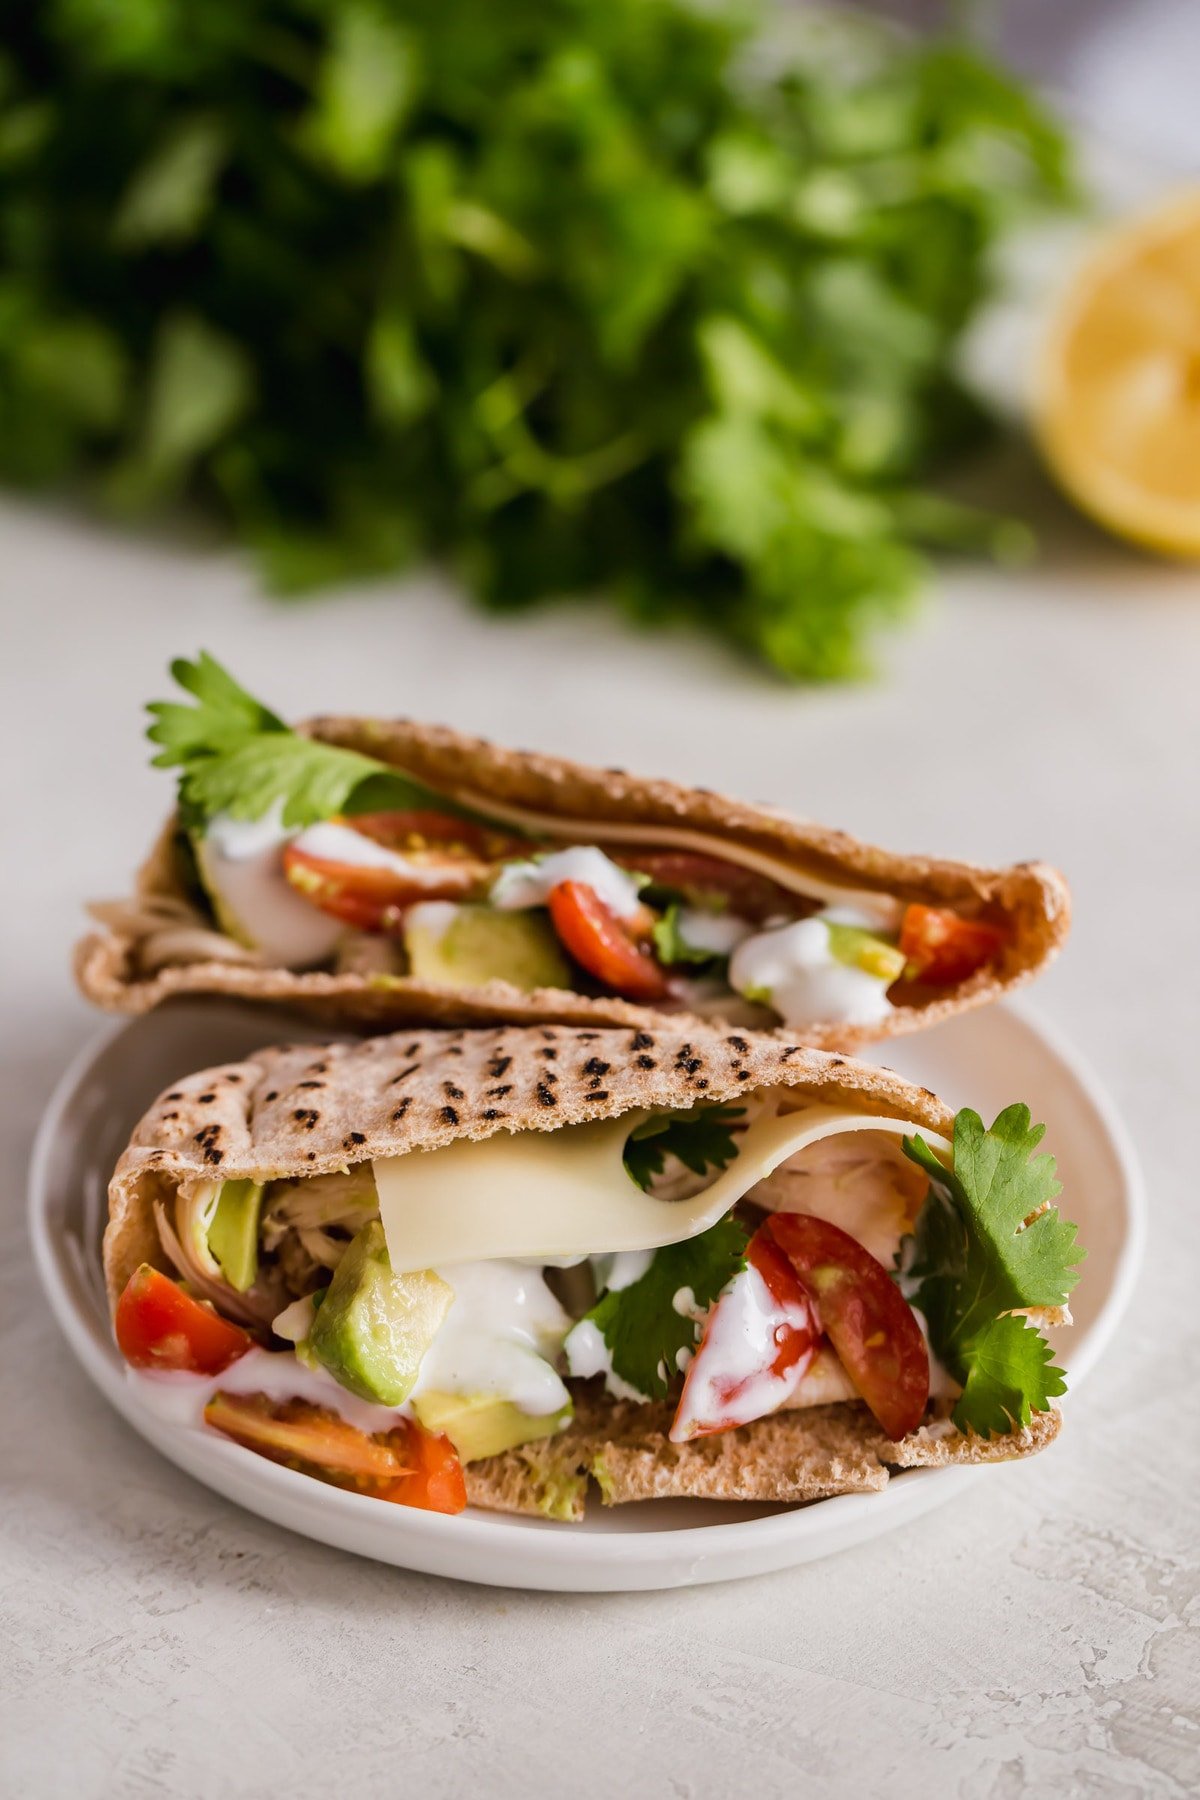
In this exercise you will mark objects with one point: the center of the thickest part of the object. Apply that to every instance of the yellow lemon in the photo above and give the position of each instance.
(1117, 394)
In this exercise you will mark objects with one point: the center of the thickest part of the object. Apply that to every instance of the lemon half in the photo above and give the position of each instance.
(1117, 392)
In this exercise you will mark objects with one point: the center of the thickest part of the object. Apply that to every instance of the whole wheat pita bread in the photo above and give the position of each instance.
(304, 1110)
(114, 971)
(791, 1457)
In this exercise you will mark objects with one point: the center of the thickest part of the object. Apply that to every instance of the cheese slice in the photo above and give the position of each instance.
(885, 907)
(557, 1196)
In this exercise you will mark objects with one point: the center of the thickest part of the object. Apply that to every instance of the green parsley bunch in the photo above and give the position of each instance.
(572, 296)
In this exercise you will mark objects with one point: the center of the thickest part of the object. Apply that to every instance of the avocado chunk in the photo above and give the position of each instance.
(865, 950)
(468, 946)
(233, 1232)
(372, 1328)
(481, 1425)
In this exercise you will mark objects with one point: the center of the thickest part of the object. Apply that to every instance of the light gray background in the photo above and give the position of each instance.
(1040, 1636)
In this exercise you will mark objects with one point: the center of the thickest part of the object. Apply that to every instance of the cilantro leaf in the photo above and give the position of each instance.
(988, 1242)
(639, 1323)
(1009, 1377)
(238, 757)
(671, 946)
(701, 1138)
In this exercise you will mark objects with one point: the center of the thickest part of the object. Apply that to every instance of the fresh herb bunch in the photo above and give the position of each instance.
(574, 296)
(989, 1242)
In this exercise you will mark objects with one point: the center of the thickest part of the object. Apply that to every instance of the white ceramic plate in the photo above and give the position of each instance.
(985, 1059)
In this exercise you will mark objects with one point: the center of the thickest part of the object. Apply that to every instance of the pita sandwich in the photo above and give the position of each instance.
(377, 874)
(529, 1266)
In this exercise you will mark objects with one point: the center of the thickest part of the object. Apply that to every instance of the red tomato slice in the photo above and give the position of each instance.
(942, 948)
(409, 1466)
(869, 1322)
(705, 880)
(374, 899)
(758, 1340)
(593, 934)
(434, 1480)
(158, 1326)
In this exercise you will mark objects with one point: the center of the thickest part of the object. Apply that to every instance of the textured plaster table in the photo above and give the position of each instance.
(1040, 1635)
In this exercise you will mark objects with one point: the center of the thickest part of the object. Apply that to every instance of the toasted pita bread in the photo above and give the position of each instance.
(304, 1110)
(791, 1457)
(123, 968)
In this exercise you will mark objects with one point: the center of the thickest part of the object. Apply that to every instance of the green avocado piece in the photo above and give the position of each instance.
(481, 1425)
(233, 1232)
(482, 944)
(863, 949)
(372, 1328)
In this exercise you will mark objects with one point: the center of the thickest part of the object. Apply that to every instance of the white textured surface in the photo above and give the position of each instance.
(1038, 1636)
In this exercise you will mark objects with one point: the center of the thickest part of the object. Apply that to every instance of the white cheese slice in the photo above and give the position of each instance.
(565, 1194)
(884, 909)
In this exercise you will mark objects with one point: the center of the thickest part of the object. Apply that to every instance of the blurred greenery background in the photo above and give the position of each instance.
(646, 298)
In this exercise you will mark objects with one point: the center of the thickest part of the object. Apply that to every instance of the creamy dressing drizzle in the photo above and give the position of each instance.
(502, 1324)
(330, 842)
(587, 1354)
(731, 1380)
(520, 885)
(179, 1398)
(720, 932)
(794, 967)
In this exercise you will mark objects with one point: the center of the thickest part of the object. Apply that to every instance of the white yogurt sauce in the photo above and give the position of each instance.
(331, 842)
(502, 1324)
(180, 1398)
(241, 864)
(588, 1354)
(795, 968)
(731, 1381)
(433, 918)
(859, 1180)
(620, 1269)
(720, 932)
(524, 884)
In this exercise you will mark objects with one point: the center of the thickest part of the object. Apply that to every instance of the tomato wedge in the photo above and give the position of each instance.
(707, 881)
(158, 1326)
(758, 1340)
(593, 934)
(869, 1322)
(409, 1466)
(434, 1480)
(366, 898)
(942, 948)
(439, 858)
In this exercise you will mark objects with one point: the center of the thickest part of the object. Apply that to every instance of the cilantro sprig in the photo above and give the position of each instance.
(990, 1241)
(701, 1138)
(236, 756)
(640, 1324)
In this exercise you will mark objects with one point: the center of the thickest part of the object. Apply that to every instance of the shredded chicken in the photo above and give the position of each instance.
(307, 1224)
(256, 1308)
(860, 1180)
(168, 932)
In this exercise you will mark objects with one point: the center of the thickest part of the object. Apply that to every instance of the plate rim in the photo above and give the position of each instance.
(644, 1556)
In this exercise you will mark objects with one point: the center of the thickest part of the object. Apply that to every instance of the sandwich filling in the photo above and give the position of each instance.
(384, 1326)
(302, 855)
